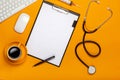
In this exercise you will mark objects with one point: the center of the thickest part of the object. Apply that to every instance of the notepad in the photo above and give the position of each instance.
(51, 32)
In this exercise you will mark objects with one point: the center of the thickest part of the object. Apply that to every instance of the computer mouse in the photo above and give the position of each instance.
(21, 23)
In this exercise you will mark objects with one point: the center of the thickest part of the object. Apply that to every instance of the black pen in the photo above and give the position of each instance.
(43, 61)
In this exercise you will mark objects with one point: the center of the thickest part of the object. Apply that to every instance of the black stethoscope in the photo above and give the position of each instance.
(91, 69)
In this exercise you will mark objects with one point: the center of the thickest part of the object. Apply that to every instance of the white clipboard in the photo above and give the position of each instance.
(51, 33)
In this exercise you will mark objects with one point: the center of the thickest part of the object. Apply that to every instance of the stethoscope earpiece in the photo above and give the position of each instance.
(108, 8)
(97, 1)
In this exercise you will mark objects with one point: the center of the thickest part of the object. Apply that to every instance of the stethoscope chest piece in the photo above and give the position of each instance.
(91, 70)
(15, 53)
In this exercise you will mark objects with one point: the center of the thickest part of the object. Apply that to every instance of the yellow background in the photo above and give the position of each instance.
(107, 64)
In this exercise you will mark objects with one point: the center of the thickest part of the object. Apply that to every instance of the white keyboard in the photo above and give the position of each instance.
(10, 7)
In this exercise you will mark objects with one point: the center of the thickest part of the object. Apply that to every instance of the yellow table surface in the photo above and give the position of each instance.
(107, 64)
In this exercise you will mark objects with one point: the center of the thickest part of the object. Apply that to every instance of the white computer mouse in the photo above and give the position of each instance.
(22, 23)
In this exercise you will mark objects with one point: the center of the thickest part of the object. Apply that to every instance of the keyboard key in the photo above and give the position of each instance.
(10, 7)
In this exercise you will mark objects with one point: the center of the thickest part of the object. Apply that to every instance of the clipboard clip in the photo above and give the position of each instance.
(60, 9)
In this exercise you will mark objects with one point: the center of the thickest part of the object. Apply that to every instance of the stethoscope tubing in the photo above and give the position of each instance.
(90, 41)
(84, 42)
